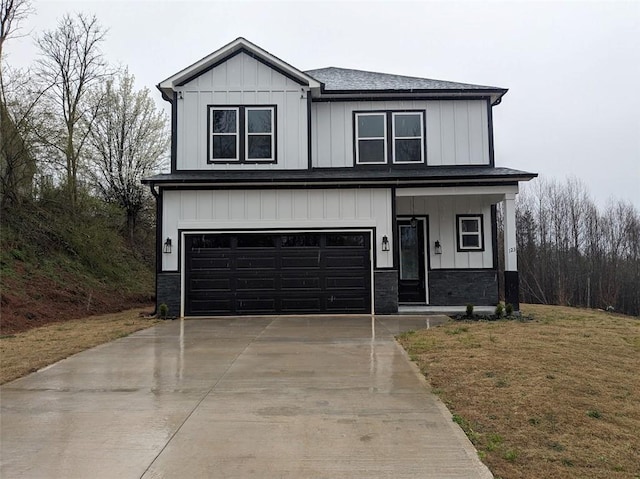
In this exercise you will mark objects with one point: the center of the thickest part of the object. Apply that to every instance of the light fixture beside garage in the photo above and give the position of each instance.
(438, 247)
(167, 246)
(385, 243)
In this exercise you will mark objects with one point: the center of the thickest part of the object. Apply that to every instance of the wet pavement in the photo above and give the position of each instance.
(285, 397)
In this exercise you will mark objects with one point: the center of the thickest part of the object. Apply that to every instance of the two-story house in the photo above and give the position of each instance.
(328, 191)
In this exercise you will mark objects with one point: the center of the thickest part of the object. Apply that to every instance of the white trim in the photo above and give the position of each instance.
(247, 109)
(212, 134)
(394, 138)
(461, 190)
(378, 138)
(477, 234)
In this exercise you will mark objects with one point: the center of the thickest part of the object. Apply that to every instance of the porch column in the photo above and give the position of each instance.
(511, 282)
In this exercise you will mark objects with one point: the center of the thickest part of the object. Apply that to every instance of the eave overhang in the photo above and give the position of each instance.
(494, 95)
(334, 177)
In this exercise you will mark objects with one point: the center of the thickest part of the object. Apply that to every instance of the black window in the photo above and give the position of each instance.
(389, 137)
(300, 241)
(224, 134)
(243, 134)
(470, 233)
(408, 141)
(256, 241)
(353, 240)
(371, 143)
(209, 241)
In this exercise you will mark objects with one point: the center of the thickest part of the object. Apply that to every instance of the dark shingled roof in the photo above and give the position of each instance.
(344, 79)
(379, 176)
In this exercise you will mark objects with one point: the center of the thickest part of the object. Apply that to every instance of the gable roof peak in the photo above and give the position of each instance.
(168, 86)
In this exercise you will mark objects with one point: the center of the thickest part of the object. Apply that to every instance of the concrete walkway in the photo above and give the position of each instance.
(285, 397)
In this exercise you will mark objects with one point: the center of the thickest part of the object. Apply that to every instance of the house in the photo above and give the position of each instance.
(328, 191)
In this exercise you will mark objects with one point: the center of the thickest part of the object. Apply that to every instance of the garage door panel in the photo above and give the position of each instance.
(300, 261)
(255, 283)
(346, 282)
(210, 306)
(300, 282)
(266, 273)
(346, 262)
(211, 284)
(255, 261)
(207, 264)
(255, 305)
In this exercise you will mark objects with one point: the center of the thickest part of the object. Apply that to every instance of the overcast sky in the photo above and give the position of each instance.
(572, 68)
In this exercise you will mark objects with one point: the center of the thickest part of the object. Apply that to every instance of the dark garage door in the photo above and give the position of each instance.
(277, 273)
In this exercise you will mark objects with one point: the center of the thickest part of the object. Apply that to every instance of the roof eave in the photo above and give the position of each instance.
(494, 94)
(173, 180)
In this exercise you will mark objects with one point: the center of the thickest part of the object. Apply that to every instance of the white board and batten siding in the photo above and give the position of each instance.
(457, 131)
(442, 213)
(301, 210)
(242, 80)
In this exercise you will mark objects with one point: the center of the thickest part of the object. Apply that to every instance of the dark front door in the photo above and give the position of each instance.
(412, 283)
(266, 273)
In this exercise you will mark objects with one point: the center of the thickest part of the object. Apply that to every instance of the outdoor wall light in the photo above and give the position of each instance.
(438, 247)
(413, 222)
(385, 243)
(167, 246)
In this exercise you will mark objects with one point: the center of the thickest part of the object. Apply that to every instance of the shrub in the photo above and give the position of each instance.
(509, 309)
(469, 310)
(499, 310)
(163, 311)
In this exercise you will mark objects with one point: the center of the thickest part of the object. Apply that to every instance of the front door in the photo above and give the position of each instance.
(412, 280)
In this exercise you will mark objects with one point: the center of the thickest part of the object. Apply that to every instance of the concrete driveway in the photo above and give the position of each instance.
(285, 397)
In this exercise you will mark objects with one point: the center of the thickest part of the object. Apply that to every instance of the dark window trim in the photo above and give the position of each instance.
(459, 246)
(389, 138)
(407, 97)
(242, 135)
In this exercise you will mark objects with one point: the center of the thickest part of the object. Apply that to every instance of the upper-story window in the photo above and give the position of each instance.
(243, 134)
(371, 138)
(389, 137)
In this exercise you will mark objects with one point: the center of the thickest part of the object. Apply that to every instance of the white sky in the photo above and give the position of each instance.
(572, 68)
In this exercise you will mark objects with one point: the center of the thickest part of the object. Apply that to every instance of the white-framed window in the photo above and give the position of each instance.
(223, 128)
(408, 137)
(383, 137)
(371, 138)
(470, 232)
(243, 134)
(259, 123)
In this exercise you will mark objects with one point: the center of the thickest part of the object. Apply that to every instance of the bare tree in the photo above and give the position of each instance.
(571, 253)
(12, 13)
(129, 140)
(17, 163)
(71, 66)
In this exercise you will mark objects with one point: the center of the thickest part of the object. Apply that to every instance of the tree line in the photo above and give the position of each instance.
(570, 252)
(73, 127)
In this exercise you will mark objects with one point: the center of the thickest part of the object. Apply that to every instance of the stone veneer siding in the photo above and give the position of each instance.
(460, 287)
(168, 292)
(386, 291)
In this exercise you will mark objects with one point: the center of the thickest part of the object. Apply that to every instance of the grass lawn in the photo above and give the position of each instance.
(557, 396)
(25, 352)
